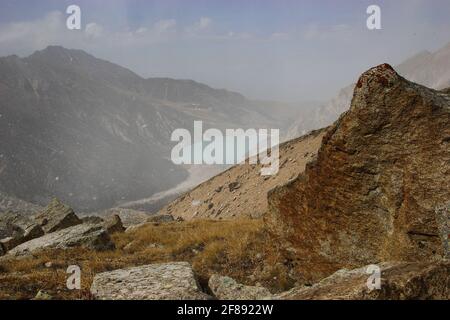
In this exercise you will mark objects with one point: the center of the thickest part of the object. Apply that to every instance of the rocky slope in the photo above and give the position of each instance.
(55, 227)
(9, 203)
(87, 235)
(380, 176)
(241, 191)
(399, 281)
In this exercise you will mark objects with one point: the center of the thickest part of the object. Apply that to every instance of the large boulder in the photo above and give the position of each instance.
(111, 224)
(226, 288)
(84, 235)
(168, 281)
(7, 236)
(16, 229)
(57, 216)
(399, 281)
(371, 195)
(129, 217)
(9, 242)
(42, 295)
(114, 224)
(93, 219)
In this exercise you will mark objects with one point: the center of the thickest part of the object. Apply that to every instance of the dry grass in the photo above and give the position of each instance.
(241, 249)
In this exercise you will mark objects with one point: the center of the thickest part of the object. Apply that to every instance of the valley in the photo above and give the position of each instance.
(350, 196)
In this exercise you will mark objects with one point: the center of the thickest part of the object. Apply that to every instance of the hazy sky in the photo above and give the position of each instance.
(270, 49)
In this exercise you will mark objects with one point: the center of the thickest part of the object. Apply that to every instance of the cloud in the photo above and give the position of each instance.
(26, 37)
(33, 33)
(202, 27)
(141, 30)
(315, 31)
(268, 61)
(279, 36)
(164, 26)
(93, 30)
(204, 23)
(241, 35)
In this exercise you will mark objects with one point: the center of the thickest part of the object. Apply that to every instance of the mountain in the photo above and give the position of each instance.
(364, 199)
(95, 134)
(426, 68)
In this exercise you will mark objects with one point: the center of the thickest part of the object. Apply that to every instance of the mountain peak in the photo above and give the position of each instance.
(55, 48)
(60, 54)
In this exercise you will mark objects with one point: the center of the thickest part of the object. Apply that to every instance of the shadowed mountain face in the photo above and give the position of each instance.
(94, 134)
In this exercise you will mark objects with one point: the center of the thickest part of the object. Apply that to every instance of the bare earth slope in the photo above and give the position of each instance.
(241, 191)
(375, 190)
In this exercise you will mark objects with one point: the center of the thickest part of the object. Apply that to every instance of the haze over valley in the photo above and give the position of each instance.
(98, 136)
(224, 150)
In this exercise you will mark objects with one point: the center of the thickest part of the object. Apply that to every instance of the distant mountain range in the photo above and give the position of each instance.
(431, 69)
(95, 134)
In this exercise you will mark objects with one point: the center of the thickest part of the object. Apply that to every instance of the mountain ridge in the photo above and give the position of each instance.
(64, 112)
